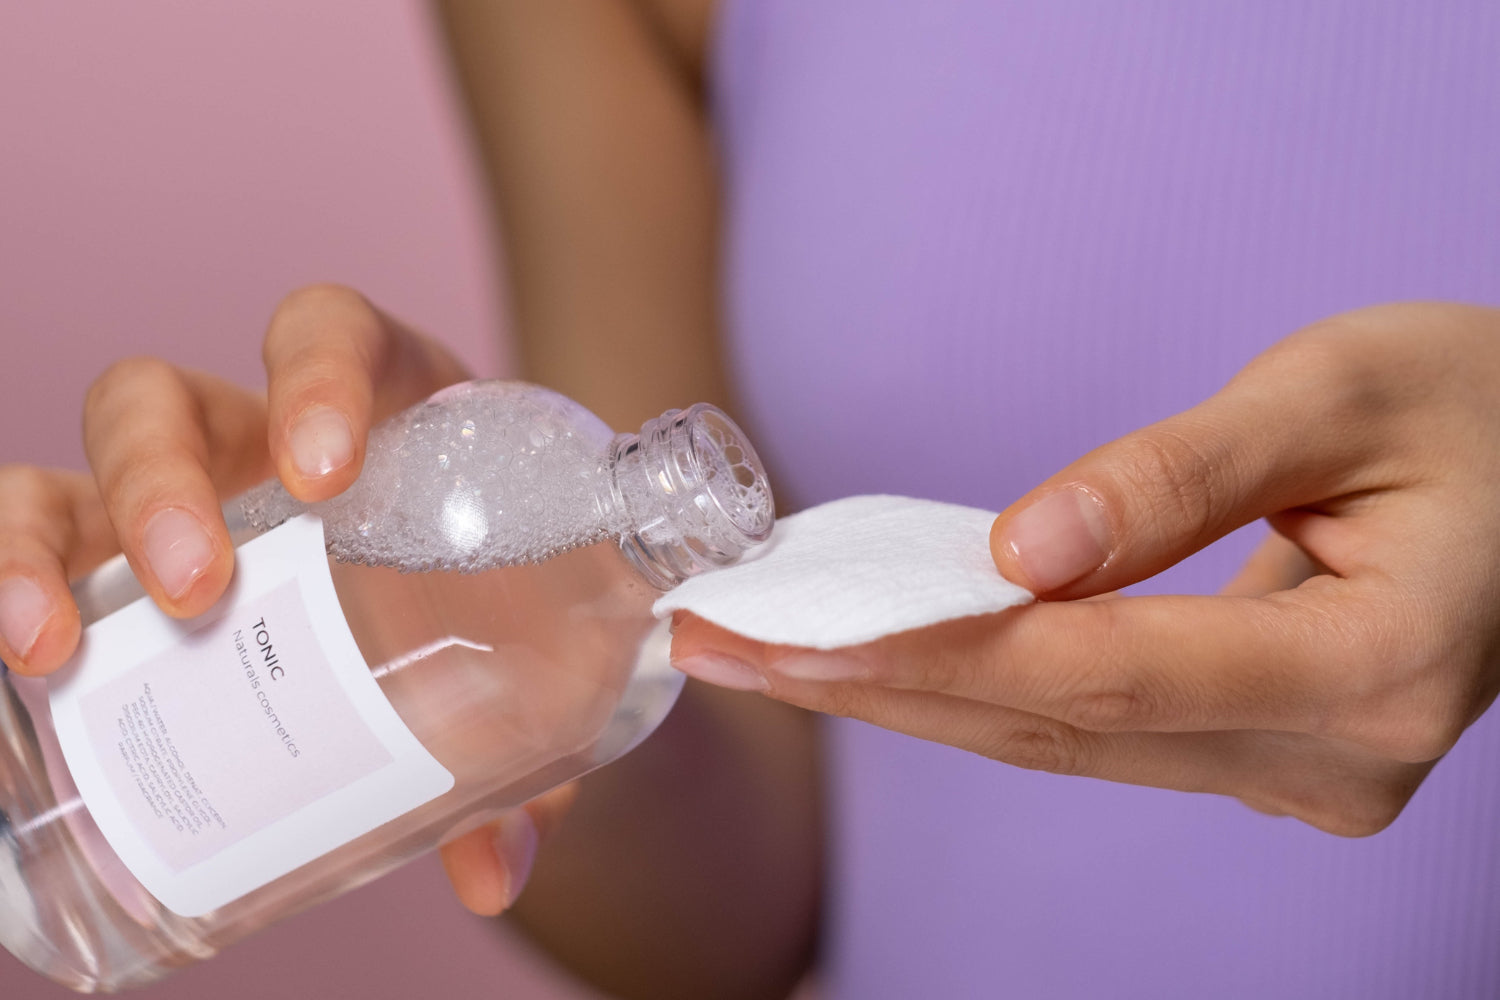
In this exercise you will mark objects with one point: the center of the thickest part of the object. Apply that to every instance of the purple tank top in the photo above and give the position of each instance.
(968, 241)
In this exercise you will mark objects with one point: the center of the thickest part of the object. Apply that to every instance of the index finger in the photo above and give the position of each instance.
(1314, 660)
(334, 365)
(1162, 663)
(51, 525)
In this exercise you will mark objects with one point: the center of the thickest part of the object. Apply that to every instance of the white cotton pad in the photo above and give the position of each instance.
(852, 571)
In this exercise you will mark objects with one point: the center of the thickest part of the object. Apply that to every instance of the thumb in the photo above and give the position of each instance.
(1141, 503)
(490, 862)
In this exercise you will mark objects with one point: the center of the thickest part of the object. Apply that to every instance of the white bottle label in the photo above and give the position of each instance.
(221, 753)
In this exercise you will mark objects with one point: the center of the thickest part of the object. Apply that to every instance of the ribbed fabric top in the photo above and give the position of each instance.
(970, 240)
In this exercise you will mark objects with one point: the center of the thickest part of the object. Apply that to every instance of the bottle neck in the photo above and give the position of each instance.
(694, 492)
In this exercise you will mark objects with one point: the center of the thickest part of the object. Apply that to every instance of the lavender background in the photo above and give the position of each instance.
(972, 240)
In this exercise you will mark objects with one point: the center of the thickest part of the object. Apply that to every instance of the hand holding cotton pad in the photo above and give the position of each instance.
(852, 571)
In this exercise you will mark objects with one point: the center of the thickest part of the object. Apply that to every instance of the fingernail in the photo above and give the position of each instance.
(515, 845)
(321, 442)
(1059, 538)
(723, 671)
(24, 609)
(821, 667)
(177, 550)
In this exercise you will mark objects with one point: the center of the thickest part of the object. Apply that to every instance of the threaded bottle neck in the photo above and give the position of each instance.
(693, 490)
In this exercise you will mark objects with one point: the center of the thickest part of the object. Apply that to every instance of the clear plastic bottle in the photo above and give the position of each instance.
(495, 564)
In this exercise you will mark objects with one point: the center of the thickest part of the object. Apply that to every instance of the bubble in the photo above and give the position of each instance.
(535, 465)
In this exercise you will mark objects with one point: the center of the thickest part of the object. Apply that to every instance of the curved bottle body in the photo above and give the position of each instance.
(513, 678)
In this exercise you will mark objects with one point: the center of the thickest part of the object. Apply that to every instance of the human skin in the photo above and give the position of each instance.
(609, 234)
(610, 230)
(716, 799)
(1350, 654)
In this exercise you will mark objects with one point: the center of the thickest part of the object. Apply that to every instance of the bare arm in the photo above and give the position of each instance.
(692, 867)
(601, 173)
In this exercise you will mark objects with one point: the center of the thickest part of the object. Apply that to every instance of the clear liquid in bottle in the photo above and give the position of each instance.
(502, 605)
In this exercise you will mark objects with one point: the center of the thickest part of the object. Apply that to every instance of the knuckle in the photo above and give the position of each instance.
(1427, 732)
(961, 664)
(126, 374)
(1331, 361)
(1343, 793)
(37, 520)
(1094, 692)
(23, 483)
(1120, 708)
(1412, 696)
(319, 331)
(1362, 812)
(1327, 347)
(34, 550)
(15, 549)
(152, 478)
(1181, 477)
(1364, 666)
(321, 381)
(32, 504)
(319, 298)
(1039, 745)
(841, 701)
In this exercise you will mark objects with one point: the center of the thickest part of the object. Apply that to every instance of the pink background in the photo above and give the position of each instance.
(168, 170)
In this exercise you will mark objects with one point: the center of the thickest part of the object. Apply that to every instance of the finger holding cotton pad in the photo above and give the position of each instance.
(839, 575)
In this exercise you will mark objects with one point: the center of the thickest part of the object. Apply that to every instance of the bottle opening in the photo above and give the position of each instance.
(695, 492)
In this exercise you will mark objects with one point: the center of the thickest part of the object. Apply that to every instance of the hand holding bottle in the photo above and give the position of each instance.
(1352, 651)
(167, 444)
